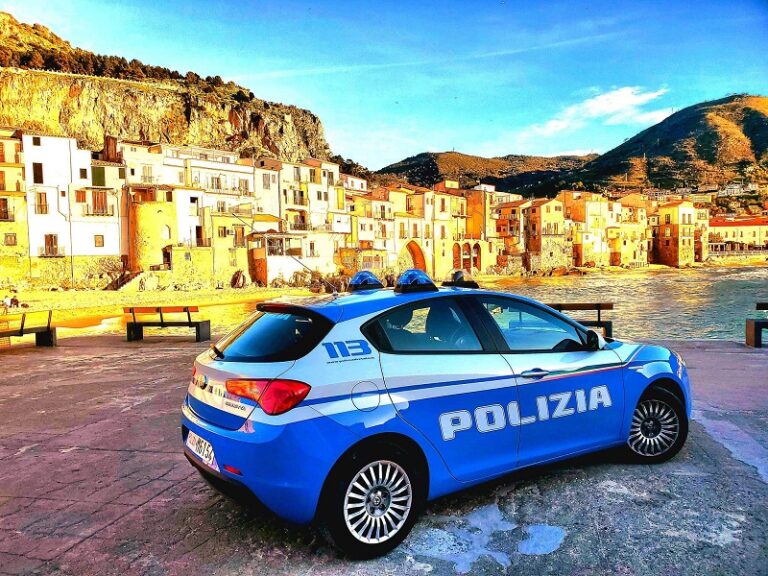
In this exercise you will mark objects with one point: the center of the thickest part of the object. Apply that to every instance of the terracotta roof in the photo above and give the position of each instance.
(542, 201)
(675, 203)
(512, 204)
(751, 221)
(95, 162)
(265, 218)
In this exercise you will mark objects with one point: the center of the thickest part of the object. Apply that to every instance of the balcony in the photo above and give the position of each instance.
(102, 211)
(17, 158)
(50, 252)
(299, 226)
(7, 215)
(383, 235)
(200, 243)
(41, 208)
(297, 200)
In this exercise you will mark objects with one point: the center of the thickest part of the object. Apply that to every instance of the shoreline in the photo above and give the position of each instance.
(78, 309)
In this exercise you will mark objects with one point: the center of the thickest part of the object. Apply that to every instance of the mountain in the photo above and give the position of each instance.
(49, 86)
(709, 143)
(712, 143)
(506, 172)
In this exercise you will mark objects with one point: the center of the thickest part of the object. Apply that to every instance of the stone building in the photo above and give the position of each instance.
(673, 239)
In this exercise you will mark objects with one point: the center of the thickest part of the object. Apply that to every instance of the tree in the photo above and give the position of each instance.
(33, 60)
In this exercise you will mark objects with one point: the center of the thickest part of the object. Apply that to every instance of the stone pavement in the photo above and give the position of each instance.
(92, 481)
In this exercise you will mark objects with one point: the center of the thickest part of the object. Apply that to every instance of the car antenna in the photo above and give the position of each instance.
(334, 292)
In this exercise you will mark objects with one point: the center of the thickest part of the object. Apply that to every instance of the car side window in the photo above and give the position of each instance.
(435, 326)
(528, 328)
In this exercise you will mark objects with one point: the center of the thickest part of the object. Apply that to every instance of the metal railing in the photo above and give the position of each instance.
(89, 210)
(295, 200)
(41, 208)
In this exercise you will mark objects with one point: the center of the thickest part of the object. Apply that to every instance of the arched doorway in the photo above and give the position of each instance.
(466, 257)
(412, 257)
(456, 256)
(476, 251)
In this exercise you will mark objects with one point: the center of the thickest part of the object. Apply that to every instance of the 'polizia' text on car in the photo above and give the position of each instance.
(354, 411)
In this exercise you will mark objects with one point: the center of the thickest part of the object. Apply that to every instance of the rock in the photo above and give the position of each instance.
(559, 271)
(88, 107)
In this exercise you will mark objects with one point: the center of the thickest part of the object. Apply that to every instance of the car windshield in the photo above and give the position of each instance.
(273, 337)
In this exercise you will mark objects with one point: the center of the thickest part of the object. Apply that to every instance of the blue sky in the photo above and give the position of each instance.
(392, 79)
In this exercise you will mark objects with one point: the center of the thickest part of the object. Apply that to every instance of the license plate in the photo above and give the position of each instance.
(201, 448)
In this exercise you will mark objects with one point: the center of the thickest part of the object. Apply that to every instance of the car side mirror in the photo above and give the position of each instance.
(593, 340)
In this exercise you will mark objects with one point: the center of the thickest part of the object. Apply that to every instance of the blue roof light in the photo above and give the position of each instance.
(364, 280)
(460, 279)
(414, 280)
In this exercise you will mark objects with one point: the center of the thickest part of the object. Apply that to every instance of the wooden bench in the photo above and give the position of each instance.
(755, 327)
(45, 335)
(606, 325)
(135, 329)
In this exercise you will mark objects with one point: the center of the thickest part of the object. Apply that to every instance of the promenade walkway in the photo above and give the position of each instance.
(92, 481)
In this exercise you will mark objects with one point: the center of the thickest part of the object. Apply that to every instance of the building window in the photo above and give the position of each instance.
(121, 173)
(667, 219)
(80, 196)
(83, 173)
(265, 181)
(221, 206)
(10, 239)
(35, 140)
(2, 180)
(98, 240)
(319, 194)
(37, 172)
(222, 231)
(297, 174)
(181, 176)
(98, 177)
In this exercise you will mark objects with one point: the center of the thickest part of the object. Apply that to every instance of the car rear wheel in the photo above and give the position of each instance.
(372, 500)
(659, 427)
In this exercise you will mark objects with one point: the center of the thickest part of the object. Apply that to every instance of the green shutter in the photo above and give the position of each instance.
(97, 176)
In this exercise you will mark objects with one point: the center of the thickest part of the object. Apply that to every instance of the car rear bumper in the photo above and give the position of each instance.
(283, 466)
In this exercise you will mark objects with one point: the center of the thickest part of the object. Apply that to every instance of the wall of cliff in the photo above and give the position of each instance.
(88, 107)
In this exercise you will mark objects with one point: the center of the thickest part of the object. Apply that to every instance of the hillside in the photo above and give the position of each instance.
(506, 172)
(709, 143)
(49, 86)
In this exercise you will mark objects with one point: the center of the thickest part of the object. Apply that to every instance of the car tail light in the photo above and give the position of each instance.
(274, 396)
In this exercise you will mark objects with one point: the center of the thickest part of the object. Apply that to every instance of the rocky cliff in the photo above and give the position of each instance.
(87, 107)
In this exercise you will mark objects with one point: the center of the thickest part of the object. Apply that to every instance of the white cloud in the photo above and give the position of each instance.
(624, 106)
(367, 67)
(619, 106)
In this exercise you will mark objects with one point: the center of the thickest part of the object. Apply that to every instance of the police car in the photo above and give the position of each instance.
(355, 410)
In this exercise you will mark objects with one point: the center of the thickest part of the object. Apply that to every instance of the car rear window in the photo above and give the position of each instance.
(274, 336)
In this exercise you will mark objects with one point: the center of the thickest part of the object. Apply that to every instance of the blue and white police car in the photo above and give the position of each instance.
(354, 411)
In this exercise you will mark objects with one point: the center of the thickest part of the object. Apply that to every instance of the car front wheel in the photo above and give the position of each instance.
(372, 502)
(659, 427)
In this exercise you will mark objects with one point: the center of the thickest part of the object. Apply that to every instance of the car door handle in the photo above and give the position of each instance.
(535, 373)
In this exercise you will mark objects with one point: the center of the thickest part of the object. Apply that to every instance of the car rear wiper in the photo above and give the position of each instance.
(219, 354)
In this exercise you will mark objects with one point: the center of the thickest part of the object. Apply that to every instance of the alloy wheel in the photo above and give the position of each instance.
(377, 502)
(655, 428)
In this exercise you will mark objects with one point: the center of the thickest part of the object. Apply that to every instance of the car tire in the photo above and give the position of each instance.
(658, 429)
(371, 500)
